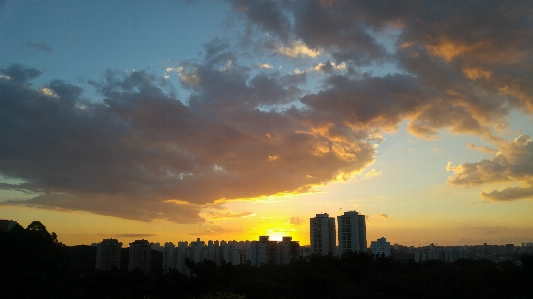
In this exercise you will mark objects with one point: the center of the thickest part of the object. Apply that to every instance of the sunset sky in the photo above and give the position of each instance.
(227, 120)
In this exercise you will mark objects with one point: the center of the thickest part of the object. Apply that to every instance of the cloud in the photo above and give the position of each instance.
(296, 49)
(372, 173)
(42, 46)
(141, 153)
(230, 215)
(509, 194)
(484, 149)
(449, 76)
(264, 66)
(295, 220)
(329, 67)
(512, 163)
(20, 73)
(269, 16)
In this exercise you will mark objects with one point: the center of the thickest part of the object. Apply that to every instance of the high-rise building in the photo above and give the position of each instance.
(140, 256)
(381, 246)
(168, 256)
(263, 251)
(322, 232)
(287, 250)
(352, 232)
(180, 255)
(108, 254)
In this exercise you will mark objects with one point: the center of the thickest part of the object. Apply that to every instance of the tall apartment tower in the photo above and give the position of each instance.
(168, 256)
(263, 251)
(108, 254)
(140, 256)
(322, 234)
(352, 232)
(287, 250)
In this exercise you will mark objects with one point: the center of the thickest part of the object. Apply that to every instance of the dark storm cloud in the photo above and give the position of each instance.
(142, 154)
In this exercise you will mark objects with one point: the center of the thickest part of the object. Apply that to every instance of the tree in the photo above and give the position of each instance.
(32, 261)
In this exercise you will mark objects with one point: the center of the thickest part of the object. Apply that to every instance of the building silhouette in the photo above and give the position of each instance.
(322, 231)
(108, 254)
(287, 250)
(381, 246)
(140, 256)
(168, 255)
(352, 232)
(263, 251)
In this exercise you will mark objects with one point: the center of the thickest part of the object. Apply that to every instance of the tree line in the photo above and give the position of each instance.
(34, 264)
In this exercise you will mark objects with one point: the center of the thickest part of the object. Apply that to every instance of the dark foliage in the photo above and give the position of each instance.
(32, 262)
(35, 265)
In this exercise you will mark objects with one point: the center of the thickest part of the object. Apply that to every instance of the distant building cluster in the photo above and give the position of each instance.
(447, 254)
(255, 253)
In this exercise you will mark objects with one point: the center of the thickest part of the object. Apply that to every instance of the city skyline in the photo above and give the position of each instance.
(235, 119)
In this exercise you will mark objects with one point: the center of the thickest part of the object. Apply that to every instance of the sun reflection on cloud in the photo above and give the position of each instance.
(298, 49)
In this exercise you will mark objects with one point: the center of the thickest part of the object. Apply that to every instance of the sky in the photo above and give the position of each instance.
(230, 120)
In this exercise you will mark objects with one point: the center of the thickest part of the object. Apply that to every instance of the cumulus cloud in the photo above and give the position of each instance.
(142, 154)
(512, 163)
(454, 75)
